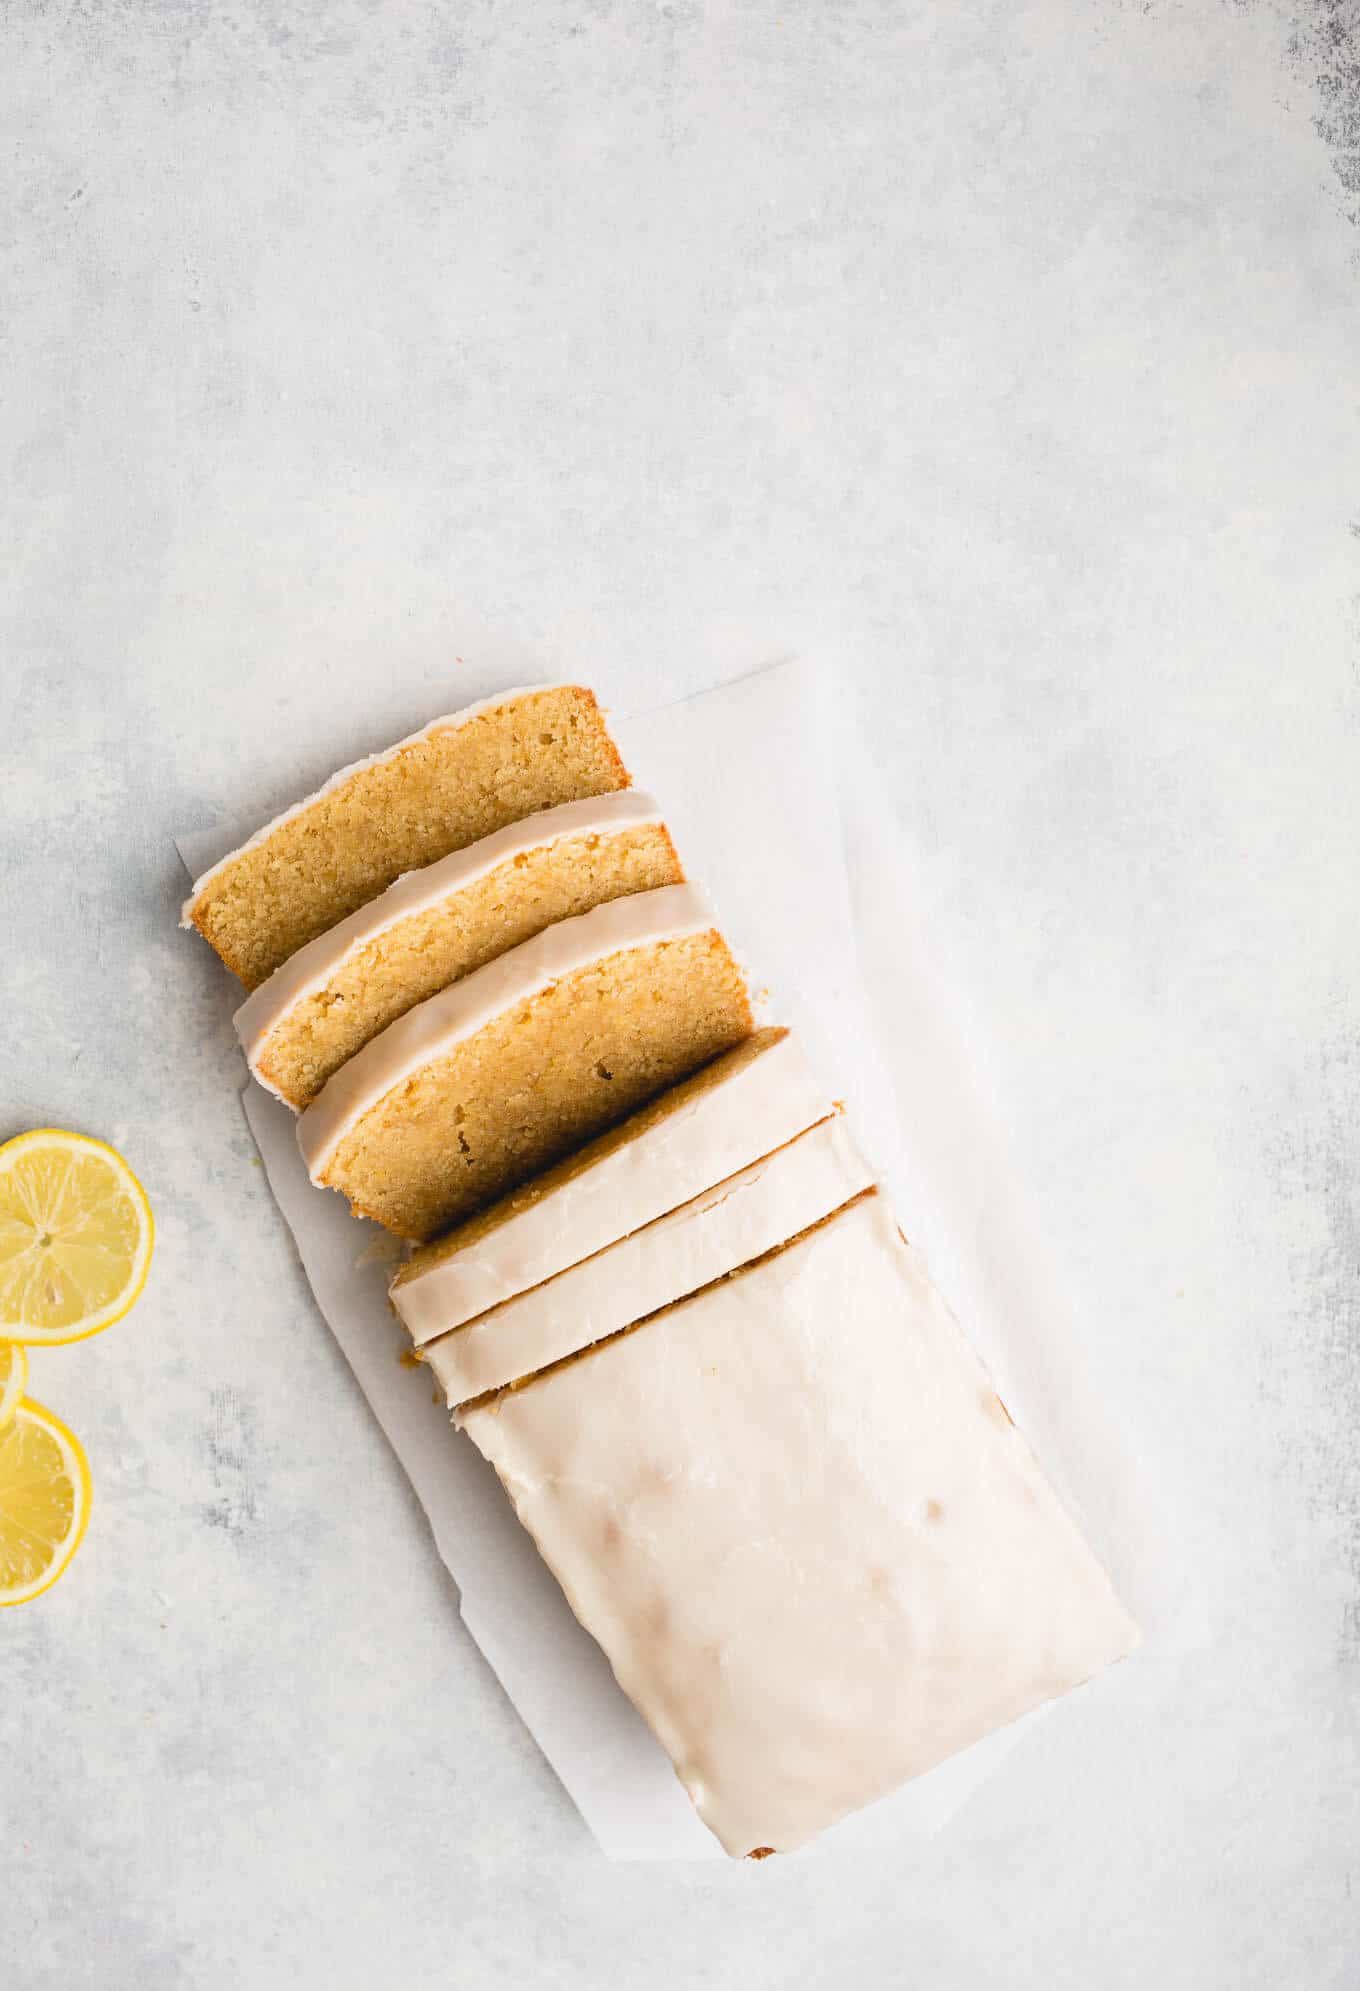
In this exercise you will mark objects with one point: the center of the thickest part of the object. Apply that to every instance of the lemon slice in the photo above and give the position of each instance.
(44, 1501)
(75, 1237)
(13, 1378)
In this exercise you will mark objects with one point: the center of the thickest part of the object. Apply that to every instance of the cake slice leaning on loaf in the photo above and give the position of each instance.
(481, 1085)
(799, 1520)
(715, 1233)
(440, 923)
(743, 1105)
(453, 782)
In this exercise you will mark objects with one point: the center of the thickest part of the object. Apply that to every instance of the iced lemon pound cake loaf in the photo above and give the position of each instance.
(436, 925)
(799, 1520)
(521, 1061)
(653, 1275)
(456, 780)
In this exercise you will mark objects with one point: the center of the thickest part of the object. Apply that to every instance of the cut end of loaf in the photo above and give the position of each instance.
(544, 1076)
(472, 1231)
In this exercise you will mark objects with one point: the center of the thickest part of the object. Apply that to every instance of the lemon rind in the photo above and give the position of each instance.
(13, 1394)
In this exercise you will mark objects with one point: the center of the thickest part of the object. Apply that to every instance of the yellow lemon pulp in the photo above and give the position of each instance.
(13, 1379)
(76, 1234)
(44, 1501)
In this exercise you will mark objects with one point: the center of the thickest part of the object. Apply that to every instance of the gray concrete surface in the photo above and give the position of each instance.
(360, 357)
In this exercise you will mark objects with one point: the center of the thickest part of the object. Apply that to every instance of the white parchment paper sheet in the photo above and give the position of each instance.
(775, 814)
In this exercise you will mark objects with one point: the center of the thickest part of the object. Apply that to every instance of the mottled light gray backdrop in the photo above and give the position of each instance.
(358, 357)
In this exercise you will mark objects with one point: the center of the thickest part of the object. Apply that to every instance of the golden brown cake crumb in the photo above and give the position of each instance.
(545, 1075)
(441, 790)
(422, 954)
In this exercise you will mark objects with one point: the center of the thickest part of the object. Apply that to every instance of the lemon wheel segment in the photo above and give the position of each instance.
(13, 1378)
(45, 1495)
(76, 1237)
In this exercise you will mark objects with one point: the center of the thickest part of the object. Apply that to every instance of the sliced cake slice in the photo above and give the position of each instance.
(456, 780)
(494, 1078)
(731, 1112)
(438, 924)
(724, 1227)
(799, 1520)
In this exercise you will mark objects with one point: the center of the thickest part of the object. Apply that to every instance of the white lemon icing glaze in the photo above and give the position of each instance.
(342, 775)
(795, 1515)
(435, 1026)
(307, 972)
(721, 1123)
(726, 1226)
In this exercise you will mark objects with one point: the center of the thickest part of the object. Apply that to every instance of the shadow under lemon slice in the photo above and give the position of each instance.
(76, 1236)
